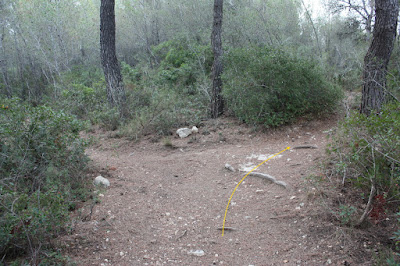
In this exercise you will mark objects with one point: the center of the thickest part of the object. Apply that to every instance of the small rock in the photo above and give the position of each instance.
(229, 167)
(198, 252)
(121, 253)
(292, 197)
(195, 129)
(184, 132)
(101, 181)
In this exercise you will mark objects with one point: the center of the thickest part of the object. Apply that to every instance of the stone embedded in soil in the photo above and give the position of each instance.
(197, 252)
(101, 181)
(184, 132)
(229, 167)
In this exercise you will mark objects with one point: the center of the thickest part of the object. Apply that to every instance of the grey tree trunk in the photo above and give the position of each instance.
(217, 102)
(378, 55)
(3, 65)
(115, 88)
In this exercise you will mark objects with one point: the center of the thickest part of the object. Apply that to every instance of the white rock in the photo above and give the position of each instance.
(184, 132)
(101, 181)
(198, 252)
(195, 129)
(229, 167)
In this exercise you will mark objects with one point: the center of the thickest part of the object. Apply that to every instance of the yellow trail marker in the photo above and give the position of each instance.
(229, 202)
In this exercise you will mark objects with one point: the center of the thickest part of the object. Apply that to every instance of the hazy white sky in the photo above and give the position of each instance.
(316, 5)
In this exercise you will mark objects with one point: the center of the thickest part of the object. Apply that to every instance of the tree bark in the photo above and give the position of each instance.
(3, 65)
(115, 88)
(217, 102)
(378, 55)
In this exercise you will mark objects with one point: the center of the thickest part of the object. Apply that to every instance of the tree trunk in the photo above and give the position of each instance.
(115, 88)
(4, 67)
(378, 55)
(217, 103)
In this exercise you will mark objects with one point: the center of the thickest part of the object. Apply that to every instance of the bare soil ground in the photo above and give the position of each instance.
(166, 204)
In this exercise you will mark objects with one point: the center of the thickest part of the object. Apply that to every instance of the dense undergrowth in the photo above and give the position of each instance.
(365, 154)
(42, 164)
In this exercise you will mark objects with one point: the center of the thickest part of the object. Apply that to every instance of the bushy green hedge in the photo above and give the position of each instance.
(42, 165)
(268, 87)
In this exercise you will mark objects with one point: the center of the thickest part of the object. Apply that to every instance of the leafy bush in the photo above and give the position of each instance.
(41, 175)
(165, 109)
(182, 64)
(366, 151)
(269, 87)
(83, 93)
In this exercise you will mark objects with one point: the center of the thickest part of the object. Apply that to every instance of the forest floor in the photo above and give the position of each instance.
(166, 203)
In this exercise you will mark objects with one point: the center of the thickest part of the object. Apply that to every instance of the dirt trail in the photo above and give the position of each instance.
(165, 204)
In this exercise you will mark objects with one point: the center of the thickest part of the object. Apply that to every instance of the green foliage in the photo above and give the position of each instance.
(165, 109)
(157, 107)
(394, 258)
(84, 96)
(182, 64)
(83, 93)
(346, 213)
(269, 87)
(367, 149)
(41, 174)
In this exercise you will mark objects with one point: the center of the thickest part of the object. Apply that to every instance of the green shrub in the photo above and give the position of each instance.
(270, 88)
(83, 92)
(182, 64)
(165, 110)
(107, 118)
(42, 162)
(366, 150)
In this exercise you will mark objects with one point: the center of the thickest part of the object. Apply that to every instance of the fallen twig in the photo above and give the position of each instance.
(269, 178)
(182, 235)
(287, 216)
(305, 147)
(227, 228)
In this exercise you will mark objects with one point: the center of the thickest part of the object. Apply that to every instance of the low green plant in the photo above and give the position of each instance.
(268, 87)
(396, 238)
(167, 143)
(42, 164)
(346, 214)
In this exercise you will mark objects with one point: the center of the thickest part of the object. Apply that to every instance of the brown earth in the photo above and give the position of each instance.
(166, 203)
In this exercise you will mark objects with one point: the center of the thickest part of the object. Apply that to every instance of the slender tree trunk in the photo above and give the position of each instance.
(3, 65)
(378, 55)
(115, 88)
(217, 102)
